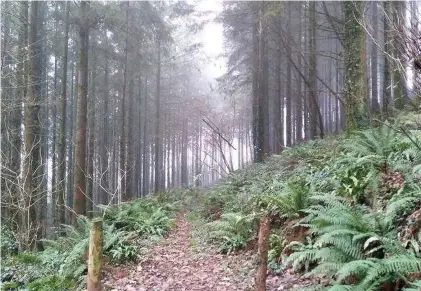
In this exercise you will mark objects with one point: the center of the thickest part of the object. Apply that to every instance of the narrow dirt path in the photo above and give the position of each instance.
(174, 265)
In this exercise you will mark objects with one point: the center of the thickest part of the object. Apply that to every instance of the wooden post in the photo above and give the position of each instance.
(95, 255)
(263, 247)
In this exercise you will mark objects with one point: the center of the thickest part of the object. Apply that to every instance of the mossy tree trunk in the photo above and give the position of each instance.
(356, 90)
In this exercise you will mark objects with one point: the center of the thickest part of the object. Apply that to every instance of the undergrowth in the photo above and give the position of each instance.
(346, 209)
(128, 231)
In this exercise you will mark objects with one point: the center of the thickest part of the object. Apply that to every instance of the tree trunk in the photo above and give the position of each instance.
(16, 118)
(32, 170)
(263, 82)
(184, 141)
(398, 85)
(313, 72)
(158, 138)
(7, 113)
(288, 109)
(71, 147)
(123, 138)
(257, 146)
(298, 101)
(54, 135)
(355, 78)
(62, 136)
(146, 163)
(91, 135)
(374, 56)
(104, 149)
(130, 156)
(79, 198)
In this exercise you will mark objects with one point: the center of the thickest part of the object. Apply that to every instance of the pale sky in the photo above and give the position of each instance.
(212, 38)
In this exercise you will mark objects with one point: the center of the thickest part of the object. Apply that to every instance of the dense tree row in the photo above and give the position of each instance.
(101, 103)
(105, 102)
(313, 68)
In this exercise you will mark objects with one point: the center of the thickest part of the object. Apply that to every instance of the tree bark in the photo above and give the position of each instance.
(91, 135)
(158, 138)
(355, 77)
(374, 57)
(71, 147)
(32, 170)
(288, 109)
(184, 144)
(16, 119)
(123, 138)
(146, 160)
(257, 146)
(62, 137)
(79, 198)
(313, 72)
(104, 149)
(130, 156)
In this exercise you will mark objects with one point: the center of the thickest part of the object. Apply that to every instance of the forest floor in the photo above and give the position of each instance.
(176, 264)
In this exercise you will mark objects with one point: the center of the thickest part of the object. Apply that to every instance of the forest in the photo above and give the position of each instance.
(210, 145)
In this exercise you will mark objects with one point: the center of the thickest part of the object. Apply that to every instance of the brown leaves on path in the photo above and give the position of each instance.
(172, 265)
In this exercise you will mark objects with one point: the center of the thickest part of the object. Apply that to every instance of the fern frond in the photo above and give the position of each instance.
(397, 264)
(298, 259)
(342, 288)
(357, 267)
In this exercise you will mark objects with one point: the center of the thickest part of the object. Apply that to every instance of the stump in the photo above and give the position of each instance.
(95, 255)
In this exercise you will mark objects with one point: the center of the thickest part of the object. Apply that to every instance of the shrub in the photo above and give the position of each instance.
(8, 242)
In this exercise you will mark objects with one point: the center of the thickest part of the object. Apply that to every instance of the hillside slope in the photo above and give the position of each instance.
(344, 215)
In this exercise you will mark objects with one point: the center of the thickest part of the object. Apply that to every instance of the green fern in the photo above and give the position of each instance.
(348, 239)
(377, 143)
(70, 250)
(415, 286)
(286, 200)
(145, 216)
(232, 231)
(397, 265)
